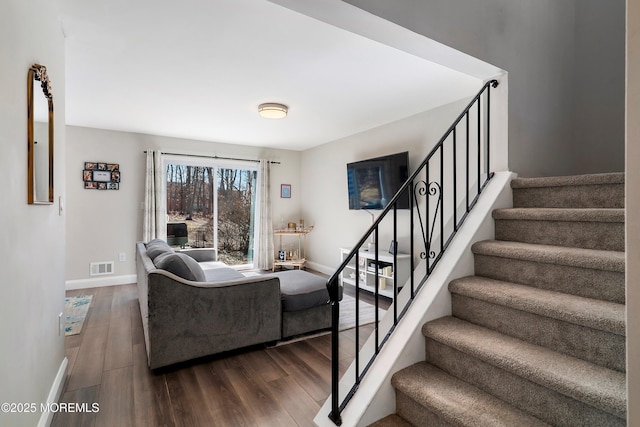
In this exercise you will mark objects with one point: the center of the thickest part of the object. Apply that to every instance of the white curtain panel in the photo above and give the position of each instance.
(265, 254)
(155, 210)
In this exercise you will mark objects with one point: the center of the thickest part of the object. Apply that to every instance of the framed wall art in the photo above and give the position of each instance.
(285, 191)
(101, 176)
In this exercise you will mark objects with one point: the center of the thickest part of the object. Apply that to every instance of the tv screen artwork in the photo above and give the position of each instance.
(374, 182)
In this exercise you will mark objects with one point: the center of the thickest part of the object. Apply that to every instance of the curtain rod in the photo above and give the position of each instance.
(215, 157)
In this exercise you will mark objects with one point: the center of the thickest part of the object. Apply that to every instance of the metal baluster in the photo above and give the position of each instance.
(479, 147)
(467, 187)
(395, 263)
(377, 292)
(455, 189)
(411, 250)
(441, 199)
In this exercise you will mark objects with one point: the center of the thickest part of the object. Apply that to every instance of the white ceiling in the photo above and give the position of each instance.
(198, 69)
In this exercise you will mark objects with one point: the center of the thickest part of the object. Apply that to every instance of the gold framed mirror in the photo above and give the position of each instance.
(40, 136)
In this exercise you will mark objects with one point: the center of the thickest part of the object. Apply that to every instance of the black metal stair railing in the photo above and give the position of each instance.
(443, 190)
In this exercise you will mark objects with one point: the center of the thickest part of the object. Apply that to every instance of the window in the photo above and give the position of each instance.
(217, 202)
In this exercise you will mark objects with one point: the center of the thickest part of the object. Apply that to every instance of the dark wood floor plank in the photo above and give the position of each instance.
(100, 310)
(317, 362)
(188, 402)
(259, 363)
(85, 418)
(315, 384)
(116, 399)
(89, 364)
(150, 395)
(221, 399)
(137, 334)
(257, 398)
(119, 339)
(300, 406)
(71, 353)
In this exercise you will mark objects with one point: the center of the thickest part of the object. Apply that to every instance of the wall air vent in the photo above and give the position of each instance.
(101, 268)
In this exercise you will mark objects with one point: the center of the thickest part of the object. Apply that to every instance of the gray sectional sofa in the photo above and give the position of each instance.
(193, 305)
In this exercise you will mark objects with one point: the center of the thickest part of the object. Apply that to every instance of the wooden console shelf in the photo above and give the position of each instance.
(292, 259)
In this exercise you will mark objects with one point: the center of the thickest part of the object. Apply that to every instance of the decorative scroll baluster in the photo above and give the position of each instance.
(424, 193)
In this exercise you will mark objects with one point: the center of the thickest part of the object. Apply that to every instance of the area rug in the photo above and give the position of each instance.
(75, 311)
(348, 313)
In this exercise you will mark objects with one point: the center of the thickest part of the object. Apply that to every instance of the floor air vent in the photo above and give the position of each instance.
(100, 268)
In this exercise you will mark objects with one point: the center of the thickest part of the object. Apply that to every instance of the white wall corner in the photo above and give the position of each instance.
(126, 279)
(54, 394)
(375, 398)
(321, 268)
(499, 124)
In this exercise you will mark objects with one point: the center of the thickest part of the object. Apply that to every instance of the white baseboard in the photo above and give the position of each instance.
(320, 268)
(101, 281)
(54, 393)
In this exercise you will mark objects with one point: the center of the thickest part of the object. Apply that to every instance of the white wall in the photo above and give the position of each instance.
(101, 224)
(552, 117)
(633, 211)
(32, 239)
(324, 179)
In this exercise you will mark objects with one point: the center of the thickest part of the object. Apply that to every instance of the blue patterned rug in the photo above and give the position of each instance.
(75, 310)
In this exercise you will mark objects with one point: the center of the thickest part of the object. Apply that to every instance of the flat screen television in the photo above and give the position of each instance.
(374, 182)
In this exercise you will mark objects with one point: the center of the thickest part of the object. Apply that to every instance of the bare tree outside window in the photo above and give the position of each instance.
(191, 193)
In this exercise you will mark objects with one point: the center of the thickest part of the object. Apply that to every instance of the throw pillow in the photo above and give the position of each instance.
(157, 247)
(181, 265)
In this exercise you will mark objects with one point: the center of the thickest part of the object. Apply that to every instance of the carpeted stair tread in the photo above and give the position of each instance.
(548, 254)
(590, 273)
(392, 420)
(573, 180)
(456, 401)
(596, 314)
(599, 387)
(587, 228)
(580, 191)
(560, 214)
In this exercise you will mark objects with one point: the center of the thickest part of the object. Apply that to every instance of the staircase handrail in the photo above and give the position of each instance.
(333, 283)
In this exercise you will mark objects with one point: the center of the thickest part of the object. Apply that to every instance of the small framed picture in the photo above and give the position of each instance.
(113, 167)
(101, 176)
(90, 185)
(102, 185)
(90, 165)
(87, 175)
(115, 176)
(102, 166)
(285, 191)
(113, 186)
(393, 247)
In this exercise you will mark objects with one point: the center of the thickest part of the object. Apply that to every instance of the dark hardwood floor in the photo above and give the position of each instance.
(284, 385)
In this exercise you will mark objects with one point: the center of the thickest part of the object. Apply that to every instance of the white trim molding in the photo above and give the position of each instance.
(101, 281)
(54, 394)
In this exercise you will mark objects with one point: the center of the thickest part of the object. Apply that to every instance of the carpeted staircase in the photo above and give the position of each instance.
(537, 336)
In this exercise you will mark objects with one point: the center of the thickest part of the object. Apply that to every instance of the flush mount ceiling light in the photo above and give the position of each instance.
(272, 110)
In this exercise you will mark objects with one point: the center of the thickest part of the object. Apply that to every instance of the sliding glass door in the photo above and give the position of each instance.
(214, 204)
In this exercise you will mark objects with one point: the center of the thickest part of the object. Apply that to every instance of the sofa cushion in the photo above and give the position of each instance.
(181, 265)
(157, 241)
(301, 290)
(157, 247)
(222, 274)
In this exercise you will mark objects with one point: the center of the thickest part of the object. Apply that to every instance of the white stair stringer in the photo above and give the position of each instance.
(375, 398)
